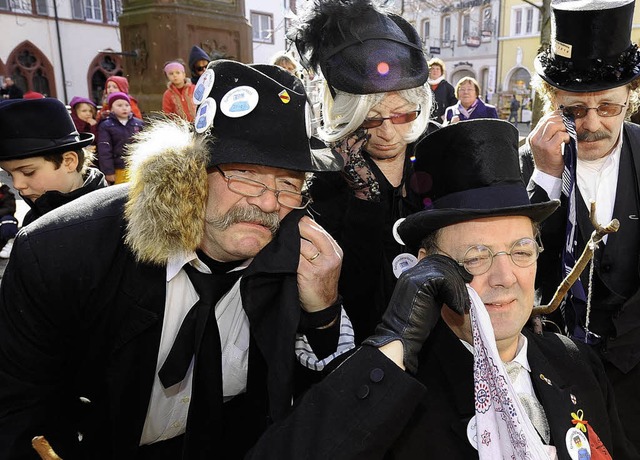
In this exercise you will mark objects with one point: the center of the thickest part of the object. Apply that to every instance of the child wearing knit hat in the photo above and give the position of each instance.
(114, 134)
(178, 98)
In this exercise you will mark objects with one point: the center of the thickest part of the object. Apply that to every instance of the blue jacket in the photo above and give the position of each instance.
(112, 137)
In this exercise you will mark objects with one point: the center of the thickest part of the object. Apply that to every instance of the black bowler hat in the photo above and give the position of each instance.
(590, 49)
(262, 116)
(359, 47)
(37, 127)
(475, 172)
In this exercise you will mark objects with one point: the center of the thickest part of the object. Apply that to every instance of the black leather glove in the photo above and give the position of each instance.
(356, 171)
(414, 308)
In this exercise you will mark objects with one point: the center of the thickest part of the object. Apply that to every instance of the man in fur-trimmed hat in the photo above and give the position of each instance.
(590, 76)
(109, 343)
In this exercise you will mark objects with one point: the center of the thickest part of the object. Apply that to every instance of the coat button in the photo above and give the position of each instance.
(376, 375)
(363, 392)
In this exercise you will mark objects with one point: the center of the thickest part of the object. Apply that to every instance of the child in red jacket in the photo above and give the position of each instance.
(178, 98)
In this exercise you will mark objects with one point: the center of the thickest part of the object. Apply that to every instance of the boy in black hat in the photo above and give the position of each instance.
(107, 320)
(489, 388)
(44, 154)
(591, 75)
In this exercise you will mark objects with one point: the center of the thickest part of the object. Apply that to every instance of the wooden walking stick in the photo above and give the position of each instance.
(577, 269)
(45, 451)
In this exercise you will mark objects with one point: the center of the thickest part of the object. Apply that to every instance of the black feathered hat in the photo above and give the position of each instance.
(475, 172)
(37, 127)
(590, 49)
(259, 115)
(359, 47)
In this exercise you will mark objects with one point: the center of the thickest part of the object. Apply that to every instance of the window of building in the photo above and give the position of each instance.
(17, 6)
(113, 9)
(487, 20)
(525, 21)
(446, 31)
(102, 67)
(262, 24)
(529, 24)
(426, 29)
(93, 10)
(31, 70)
(466, 25)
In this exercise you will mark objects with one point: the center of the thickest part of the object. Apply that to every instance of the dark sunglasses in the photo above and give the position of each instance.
(606, 109)
(399, 119)
(201, 68)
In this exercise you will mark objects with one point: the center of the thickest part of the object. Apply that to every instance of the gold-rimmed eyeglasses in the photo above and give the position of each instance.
(477, 260)
(253, 188)
(606, 110)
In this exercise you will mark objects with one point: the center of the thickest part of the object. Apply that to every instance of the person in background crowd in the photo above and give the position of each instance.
(373, 113)
(8, 221)
(178, 98)
(595, 88)
(198, 61)
(33, 95)
(114, 134)
(469, 104)
(112, 301)
(286, 62)
(443, 91)
(514, 106)
(83, 114)
(9, 89)
(114, 84)
(45, 155)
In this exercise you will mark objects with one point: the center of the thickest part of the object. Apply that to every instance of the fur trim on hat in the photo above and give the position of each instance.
(169, 188)
(321, 25)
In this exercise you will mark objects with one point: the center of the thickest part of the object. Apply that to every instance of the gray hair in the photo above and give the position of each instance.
(345, 112)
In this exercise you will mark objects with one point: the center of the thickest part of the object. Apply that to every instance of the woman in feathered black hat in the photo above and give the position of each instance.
(376, 106)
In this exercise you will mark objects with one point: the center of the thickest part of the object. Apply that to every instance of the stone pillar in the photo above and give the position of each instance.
(156, 31)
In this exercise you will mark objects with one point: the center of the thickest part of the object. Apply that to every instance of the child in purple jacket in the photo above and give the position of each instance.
(114, 133)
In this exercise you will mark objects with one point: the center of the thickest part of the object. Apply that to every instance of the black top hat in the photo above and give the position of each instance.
(262, 117)
(37, 127)
(360, 48)
(475, 172)
(590, 49)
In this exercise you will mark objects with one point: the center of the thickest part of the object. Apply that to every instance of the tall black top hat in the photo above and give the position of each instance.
(260, 115)
(590, 49)
(475, 171)
(360, 48)
(37, 127)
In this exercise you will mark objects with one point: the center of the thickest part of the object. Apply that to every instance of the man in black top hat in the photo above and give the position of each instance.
(590, 74)
(109, 343)
(455, 401)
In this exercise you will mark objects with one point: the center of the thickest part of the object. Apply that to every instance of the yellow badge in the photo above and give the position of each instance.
(284, 96)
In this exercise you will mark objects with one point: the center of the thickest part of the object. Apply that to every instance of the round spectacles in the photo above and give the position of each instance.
(477, 260)
(398, 119)
(253, 188)
(606, 110)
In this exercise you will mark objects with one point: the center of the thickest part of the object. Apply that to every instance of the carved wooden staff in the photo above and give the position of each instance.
(577, 269)
(43, 448)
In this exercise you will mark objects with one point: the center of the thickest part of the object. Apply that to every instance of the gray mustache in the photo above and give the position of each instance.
(591, 137)
(251, 214)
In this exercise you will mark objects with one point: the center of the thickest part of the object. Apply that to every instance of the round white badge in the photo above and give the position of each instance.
(203, 86)
(395, 233)
(239, 101)
(472, 433)
(205, 114)
(403, 262)
(577, 444)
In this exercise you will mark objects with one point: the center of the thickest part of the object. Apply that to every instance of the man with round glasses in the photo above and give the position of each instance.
(177, 316)
(590, 74)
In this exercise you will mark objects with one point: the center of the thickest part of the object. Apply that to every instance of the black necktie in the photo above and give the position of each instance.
(210, 287)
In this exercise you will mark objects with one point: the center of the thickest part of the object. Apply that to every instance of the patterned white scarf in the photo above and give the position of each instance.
(503, 429)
